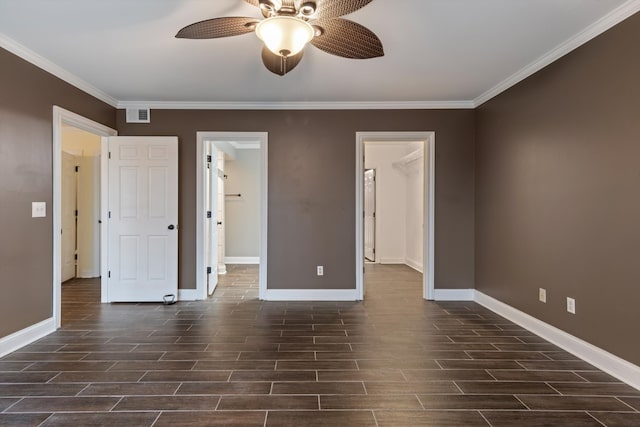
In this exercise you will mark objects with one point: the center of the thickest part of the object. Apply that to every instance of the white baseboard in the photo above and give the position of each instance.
(416, 265)
(26, 336)
(453, 294)
(601, 359)
(311, 295)
(188, 295)
(392, 260)
(242, 260)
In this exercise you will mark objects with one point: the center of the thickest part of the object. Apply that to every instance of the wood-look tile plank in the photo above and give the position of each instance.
(250, 403)
(106, 419)
(430, 418)
(466, 401)
(37, 389)
(506, 387)
(22, 420)
(573, 403)
(544, 376)
(69, 366)
(129, 389)
(617, 419)
(212, 419)
(65, 404)
(26, 377)
(185, 376)
(320, 419)
(397, 402)
(595, 389)
(167, 403)
(220, 388)
(318, 388)
(540, 418)
(98, 377)
(406, 387)
(318, 365)
(634, 402)
(273, 376)
(152, 365)
(447, 374)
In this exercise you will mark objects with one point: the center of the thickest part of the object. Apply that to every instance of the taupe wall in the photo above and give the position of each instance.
(27, 96)
(242, 214)
(558, 192)
(312, 187)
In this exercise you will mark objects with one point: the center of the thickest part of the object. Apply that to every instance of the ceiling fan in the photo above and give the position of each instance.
(290, 24)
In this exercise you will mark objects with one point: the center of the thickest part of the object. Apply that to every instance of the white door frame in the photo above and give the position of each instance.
(201, 215)
(64, 117)
(429, 139)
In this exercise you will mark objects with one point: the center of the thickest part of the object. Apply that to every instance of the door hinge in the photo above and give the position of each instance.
(75, 256)
(209, 159)
(374, 251)
(209, 270)
(109, 154)
(209, 213)
(76, 212)
(109, 273)
(109, 214)
(374, 214)
(77, 168)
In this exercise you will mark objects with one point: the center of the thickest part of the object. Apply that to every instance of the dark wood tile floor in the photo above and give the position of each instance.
(392, 360)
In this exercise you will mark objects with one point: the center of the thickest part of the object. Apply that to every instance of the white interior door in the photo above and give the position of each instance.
(69, 206)
(370, 215)
(212, 219)
(143, 218)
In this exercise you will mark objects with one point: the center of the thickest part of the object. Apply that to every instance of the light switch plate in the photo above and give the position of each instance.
(38, 209)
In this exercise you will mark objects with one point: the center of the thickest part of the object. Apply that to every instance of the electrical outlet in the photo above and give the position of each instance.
(571, 305)
(320, 270)
(542, 295)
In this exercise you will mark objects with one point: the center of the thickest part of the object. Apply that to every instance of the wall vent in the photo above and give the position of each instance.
(138, 115)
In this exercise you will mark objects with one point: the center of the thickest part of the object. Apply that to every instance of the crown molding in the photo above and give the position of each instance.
(393, 105)
(48, 66)
(600, 26)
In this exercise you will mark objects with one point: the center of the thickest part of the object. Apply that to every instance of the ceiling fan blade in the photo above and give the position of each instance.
(327, 9)
(218, 27)
(279, 65)
(347, 39)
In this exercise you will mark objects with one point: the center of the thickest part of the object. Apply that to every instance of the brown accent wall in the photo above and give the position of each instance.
(558, 192)
(27, 97)
(312, 187)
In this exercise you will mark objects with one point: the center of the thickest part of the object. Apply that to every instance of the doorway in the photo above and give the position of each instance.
(421, 240)
(96, 239)
(221, 193)
(80, 204)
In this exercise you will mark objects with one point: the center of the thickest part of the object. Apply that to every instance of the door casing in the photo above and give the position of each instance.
(429, 140)
(202, 138)
(63, 117)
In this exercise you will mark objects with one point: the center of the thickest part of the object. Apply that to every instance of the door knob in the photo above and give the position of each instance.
(171, 227)
(219, 222)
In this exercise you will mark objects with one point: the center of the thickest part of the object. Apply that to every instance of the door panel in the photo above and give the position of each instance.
(370, 215)
(143, 205)
(69, 206)
(212, 222)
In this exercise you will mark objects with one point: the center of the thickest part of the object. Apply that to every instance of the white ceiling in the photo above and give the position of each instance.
(437, 52)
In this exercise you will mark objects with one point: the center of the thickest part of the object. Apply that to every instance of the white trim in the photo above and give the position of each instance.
(311, 295)
(600, 26)
(454, 294)
(26, 336)
(201, 139)
(391, 261)
(416, 265)
(64, 117)
(48, 66)
(429, 139)
(609, 363)
(355, 105)
(188, 294)
(242, 260)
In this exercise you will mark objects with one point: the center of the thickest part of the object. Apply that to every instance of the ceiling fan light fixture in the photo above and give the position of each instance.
(285, 35)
